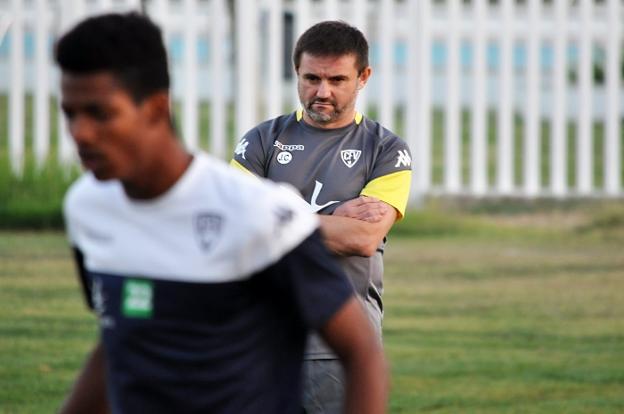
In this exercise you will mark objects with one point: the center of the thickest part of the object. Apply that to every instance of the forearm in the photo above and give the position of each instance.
(352, 337)
(350, 237)
(88, 394)
(366, 372)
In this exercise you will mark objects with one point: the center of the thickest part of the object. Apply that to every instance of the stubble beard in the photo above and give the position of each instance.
(322, 117)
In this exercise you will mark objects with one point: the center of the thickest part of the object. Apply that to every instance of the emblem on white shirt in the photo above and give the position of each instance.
(350, 156)
(208, 228)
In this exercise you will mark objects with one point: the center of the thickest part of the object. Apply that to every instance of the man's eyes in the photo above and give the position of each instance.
(98, 113)
(333, 81)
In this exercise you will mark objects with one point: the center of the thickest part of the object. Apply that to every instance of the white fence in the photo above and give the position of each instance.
(505, 67)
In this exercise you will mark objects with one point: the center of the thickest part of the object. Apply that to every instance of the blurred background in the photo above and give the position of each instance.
(505, 281)
(496, 98)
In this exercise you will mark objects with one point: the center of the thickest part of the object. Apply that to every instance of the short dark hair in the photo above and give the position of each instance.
(130, 46)
(333, 38)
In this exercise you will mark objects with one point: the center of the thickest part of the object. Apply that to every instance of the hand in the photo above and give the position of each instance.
(363, 208)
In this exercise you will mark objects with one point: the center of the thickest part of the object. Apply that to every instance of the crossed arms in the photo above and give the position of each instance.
(358, 226)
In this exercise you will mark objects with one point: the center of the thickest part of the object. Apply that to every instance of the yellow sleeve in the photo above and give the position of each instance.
(391, 188)
(239, 166)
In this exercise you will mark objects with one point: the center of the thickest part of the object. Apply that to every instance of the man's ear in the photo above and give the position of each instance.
(157, 108)
(363, 77)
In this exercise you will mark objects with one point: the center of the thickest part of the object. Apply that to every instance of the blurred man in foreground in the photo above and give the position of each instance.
(204, 280)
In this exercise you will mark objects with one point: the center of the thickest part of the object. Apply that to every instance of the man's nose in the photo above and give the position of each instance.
(81, 129)
(324, 90)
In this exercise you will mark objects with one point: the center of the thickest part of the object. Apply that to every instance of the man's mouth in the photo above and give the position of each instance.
(322, 104)
(90, 159)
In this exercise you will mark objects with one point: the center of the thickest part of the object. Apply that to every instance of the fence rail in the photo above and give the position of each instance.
(498, 98)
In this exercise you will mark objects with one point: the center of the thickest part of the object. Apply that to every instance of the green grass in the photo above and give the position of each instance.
(489, 309)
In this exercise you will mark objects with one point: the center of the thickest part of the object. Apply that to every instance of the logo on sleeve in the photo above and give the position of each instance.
(241, 148)
(350, 157)
(138, 298)
(208, 229)
(99, 303)
(403, 159)
(98, 298)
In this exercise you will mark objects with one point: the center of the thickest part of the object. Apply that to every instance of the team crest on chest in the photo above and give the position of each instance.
(208, 228)
(350, 157)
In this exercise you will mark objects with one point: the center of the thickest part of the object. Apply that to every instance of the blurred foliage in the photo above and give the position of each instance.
(34, 199)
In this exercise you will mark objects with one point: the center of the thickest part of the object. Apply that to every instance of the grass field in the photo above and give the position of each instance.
(486, 312)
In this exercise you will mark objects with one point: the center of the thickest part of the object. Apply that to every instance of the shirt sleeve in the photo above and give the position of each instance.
(249, 154)
(391, 177)
(311, 277)
(83, 277)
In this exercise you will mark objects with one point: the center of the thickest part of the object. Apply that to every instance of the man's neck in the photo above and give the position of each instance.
(161, 172)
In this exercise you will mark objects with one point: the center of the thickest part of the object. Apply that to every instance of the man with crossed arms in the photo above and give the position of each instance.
(352, 171)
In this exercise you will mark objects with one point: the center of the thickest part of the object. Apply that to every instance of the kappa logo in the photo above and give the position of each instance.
(208, 228)
(403, 159)
(241, 148)
(284, 147)
(350, 157)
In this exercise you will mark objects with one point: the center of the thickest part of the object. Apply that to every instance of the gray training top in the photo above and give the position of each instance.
(329, 167)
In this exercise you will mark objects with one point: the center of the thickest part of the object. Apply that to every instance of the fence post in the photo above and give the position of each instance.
(452, 116)
(612, 157)
(16, 91)
(42, 86)
(385, 103)
(559, 135)
(302, 11)
(219, 61)
(418, 111)
(190, 101)
(584, 148)
(71, 11)
(331, 11)
(506, 130)
(359, 10)
(275, 59)
(531, 162)
(246, 61)
(478, 136)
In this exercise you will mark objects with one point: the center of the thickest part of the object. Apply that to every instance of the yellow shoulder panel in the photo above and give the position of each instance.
(392, 188)
(358, 118)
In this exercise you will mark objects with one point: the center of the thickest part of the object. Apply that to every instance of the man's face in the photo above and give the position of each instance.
(328, 87)
(105, 124)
